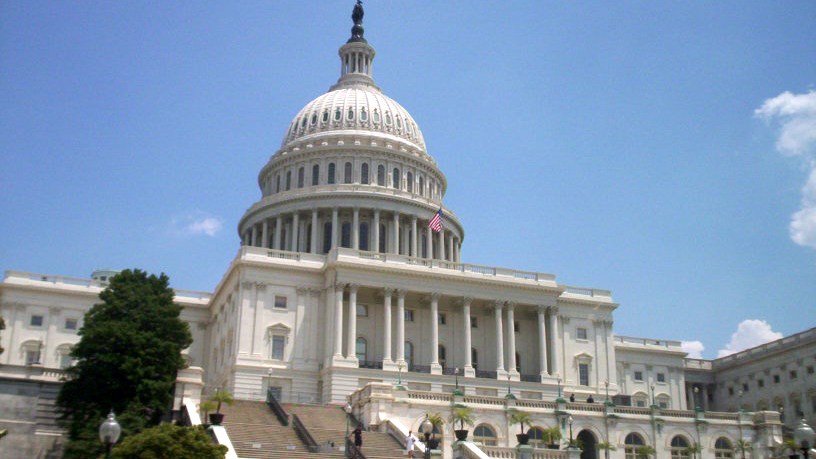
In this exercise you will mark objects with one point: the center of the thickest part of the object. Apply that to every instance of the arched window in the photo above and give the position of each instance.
(483, 434)
(288, 180)
(376, 116)
(327, 237)
(363, 115)
(361, 349)
(395, 178)
(381, 175)
(64, 354)
(443, 356)
(301, 176)
(347, 173)
(383, 238)
(421, 186)
(313, 120)
(325, 116)
(409, 354)
(423, 243)
(345, 235)
(277, 184)
(679, 448)
(474, 358)
(364, 174)
(338, 114)
(309, 238)
(632, 442)
(536, 435)
(331, 174)
(409, 178)
(723, 448)
(350, 114)
(315, 175)
(363, 236)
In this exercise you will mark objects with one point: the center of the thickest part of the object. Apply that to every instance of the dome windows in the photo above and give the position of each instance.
(314, 119)
(364, 174)
(376, 116)
(363, 114)
(325, 116)
(387, 118)
(350, 115)
(399, 123)
(303, 123)
(338, 114)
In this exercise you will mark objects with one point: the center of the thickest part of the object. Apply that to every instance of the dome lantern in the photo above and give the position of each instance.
(356, 56)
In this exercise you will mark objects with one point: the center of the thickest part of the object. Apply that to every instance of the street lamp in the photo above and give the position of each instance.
(606, 383)
(559, 387)
(347, 410)
(697, 398)
(569, 421)
(804, 436)
(109, 432)
(426, 428)
(654, 404)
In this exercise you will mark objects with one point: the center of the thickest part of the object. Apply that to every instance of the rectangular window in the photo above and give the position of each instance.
(583, 374)
(663, 405)
(65, 361)
(582, 333)
(36, 320)
(277, 347)
(640, 404)
(362, 310)
(760, 383)
(793, 374)
(441, 318)
(638, 376)
(70, 324)
(661, 377)
(32, 357)
(473, 322)
(409, 315)
(810, 370)
(744, 387)
(730, 391)
(280, 302)
(776, 379)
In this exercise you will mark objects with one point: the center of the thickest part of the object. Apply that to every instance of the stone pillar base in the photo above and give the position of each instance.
(436, 369)
(524, 452)
(469, 372)
(390, 365)
(514, 375)
(501, 374)
(338, 360)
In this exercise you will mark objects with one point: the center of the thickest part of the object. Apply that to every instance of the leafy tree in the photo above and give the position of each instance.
(169, 441)
(522, 418)
(645, 451)
(463, 415)
(127, 359)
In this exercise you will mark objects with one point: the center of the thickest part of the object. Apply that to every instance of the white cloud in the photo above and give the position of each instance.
(694, 349)
(206, 225)
(195, 223)
(749, 333)
(796, 116)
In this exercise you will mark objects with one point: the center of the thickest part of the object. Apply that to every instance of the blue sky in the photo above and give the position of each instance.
(661, 150)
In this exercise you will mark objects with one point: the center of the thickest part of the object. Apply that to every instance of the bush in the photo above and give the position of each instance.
(168, 441)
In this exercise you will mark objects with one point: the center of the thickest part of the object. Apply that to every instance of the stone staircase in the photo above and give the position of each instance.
(256, 433)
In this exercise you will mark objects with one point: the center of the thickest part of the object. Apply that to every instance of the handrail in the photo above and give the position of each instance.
(303, 433)
(280, 413)
(352, 451)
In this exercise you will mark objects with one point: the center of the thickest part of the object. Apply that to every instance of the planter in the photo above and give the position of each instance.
(461, 435)
(216, 419)
(433, 443)
(522, 438)
(553, 446)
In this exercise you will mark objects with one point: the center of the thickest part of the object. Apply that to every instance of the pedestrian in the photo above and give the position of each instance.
(358, 437)
(572, 398)
(410, 444)
(590, 399)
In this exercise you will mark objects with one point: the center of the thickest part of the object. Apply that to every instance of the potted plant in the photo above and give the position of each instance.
(744, 447)
(645, 450)
(551, 437)
(206, 407)
(436, 421)
(521, 418)
(607, 447)
(464, 416)
(694, 449)
(219, 397)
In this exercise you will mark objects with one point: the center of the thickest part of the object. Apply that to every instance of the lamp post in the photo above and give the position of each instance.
(606, 383)
(508, 385)
(697, 398)
(569, 421)
(654, 404)
(804, 437)
(347, 410)
(399, 373)
(456, 375)
(426, 428)
(559, 386)
(109, 432)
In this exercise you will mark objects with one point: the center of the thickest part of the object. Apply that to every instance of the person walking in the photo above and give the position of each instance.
(358, 437)
(409, 444)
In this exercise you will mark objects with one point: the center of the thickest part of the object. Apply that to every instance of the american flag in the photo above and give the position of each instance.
(436, 222)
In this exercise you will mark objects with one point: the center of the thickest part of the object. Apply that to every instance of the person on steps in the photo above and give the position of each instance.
(358, 437)
(410, 444)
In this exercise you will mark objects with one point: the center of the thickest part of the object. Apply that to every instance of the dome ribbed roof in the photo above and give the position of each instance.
(355, 108)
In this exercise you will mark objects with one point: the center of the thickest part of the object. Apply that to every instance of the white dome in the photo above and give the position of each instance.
(355, 108)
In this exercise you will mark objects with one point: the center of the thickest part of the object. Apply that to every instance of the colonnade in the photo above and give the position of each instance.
(375, 230)
(548, 343)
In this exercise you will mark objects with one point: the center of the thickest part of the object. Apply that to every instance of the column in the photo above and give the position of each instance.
(335, 228)
(497, 315)
(436, 368)
(338, 321)
(387, 327)
(395, 243)
(401, 326)
(429, 237)
(450, 246)
(278, 231)
(295, 232)
(611, 368)
(351, 349)
(511, 342)
(254, 240)
(554, 344)
(442, 244)
(414, 236)
(468, 367)
(355, 229)
(314, 231)
(265, 234)
(704, 395)
(375, 247)
(542, 341)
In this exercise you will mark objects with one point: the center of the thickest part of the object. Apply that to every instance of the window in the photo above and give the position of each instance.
(361, 348)
(810, 369)
(277, 184)
(383, 238)
(421, 186)
(280, 302)
(441, 318)
(345, 235)
(395, 178)
(338, 114)
(661, 377)
(288, 180)
(474, 358)
(65, 361)
(376, 116)
(362, 310)
(388, 118)
(301, 176)
(679, 447)
(723, 449)
(792, 374)
(363, 115)
(331, 174)
(632, 442)
(536, 435)
(309, 237)
(582, 333)
(516, 326)
(327, 237)
(364, 173)
(32, 356)
(363, 236)
(443, 355)
(730, 391)
(776, 379)
(409, 315)
(278, 343)
(313, 119)
(409, 178)
(409, 354)
(484, 435)
(36, 320)
(347, 173)
(325, 117)
(638, 375)
(640, 403)
(744, 387)
(474, 322)
(70, 324)
(583, 374)
(315, 174)
(760, 383)
(381, 175)
(350, 114)
(662, 404)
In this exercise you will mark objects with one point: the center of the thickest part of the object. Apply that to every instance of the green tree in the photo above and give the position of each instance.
(126, 360)
(521, 418)
(169, 441)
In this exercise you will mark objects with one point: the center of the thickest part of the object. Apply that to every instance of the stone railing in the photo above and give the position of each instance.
(697, 364)
(590, 407)
(37, 372)
(501, 452)
(779, 345)
(647, 341)
(593, 292)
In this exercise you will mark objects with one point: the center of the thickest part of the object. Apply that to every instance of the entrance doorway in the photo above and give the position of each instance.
(589, 444)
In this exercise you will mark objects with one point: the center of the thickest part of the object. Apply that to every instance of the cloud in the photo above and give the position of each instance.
(194, 224)
(694, 349)
(796, 116)
(749, 333)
